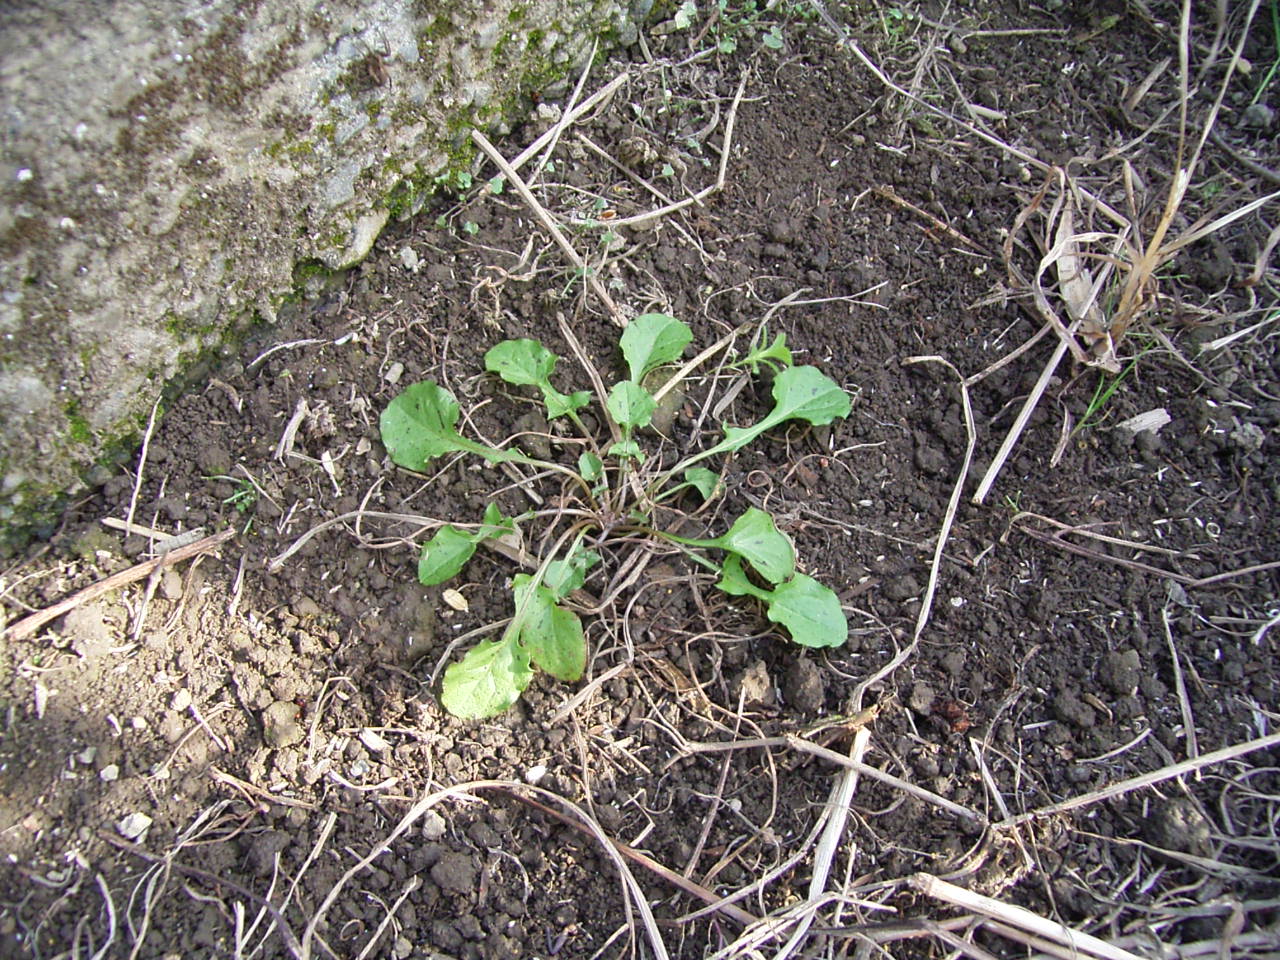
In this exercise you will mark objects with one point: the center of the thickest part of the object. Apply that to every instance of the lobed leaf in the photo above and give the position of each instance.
(626, 448)
(558, 404)
(774, 356)
(651, 340)
(528, 363)
(487, 681)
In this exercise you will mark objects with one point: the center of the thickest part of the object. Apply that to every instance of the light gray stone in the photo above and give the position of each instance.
(164, 166)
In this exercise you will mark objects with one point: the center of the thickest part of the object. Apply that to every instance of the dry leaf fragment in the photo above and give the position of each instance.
(456, 600)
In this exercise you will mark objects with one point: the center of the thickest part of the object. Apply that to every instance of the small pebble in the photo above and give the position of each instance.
(138, 723)
(433, 826)
(181, 700)
(373, 741)
(134, 826)
(109, 773)
(280, 725)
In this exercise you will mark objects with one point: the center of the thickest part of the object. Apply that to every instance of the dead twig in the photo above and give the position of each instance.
(892, 195)
(1180, 687)
(251, 790)
(29, 625)
(635, 895)
(842, 792)
(549, 223)
(1145, 780)
(1087, 944)
(282, 925)
(701, 195)
(683, 883)
(806, 746)
(142, 462)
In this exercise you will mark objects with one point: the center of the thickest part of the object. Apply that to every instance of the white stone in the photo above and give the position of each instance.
(134, 826)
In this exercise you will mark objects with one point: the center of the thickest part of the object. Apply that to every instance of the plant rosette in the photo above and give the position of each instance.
(618, 493)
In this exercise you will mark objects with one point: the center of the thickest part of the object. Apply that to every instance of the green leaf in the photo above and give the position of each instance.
(630, 404)
(444, 555)
(558, 404)
(756, 538)
(703, 480)
(626, 448)
(590, 466)
(799, 393)
(733, 580)
(806, 393)
(565, 576)
(417, 426)
(651, 340)
(810, 612)
(552, 635)
(685, 14)
(773, 39)
(524, 363)
(527, 363)
(776, 355)
(488, 680)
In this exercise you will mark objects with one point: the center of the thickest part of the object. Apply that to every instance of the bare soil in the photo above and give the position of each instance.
(181, 753)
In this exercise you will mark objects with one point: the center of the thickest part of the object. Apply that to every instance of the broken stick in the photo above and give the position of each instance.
(29, 625)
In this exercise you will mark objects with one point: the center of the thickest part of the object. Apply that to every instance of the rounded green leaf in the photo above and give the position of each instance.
(624, 449)
(630, 404)
(488, 680)
(733, 580)
(558, 404)
(417, 426)
(651, 340)
(565, 576)
(590, 466)
(703, 480)
(444, 555)
(756, 538)
(806, 393)
(810, 612)
(521, 362)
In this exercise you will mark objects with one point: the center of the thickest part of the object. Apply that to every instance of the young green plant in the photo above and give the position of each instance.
(545, 632)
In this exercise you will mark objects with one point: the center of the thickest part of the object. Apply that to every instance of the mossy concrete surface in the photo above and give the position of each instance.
(165, 165)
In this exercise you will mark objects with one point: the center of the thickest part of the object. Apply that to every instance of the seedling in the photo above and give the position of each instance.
(618, 488)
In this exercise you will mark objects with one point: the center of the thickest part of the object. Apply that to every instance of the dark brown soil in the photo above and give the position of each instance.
(277, 726)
